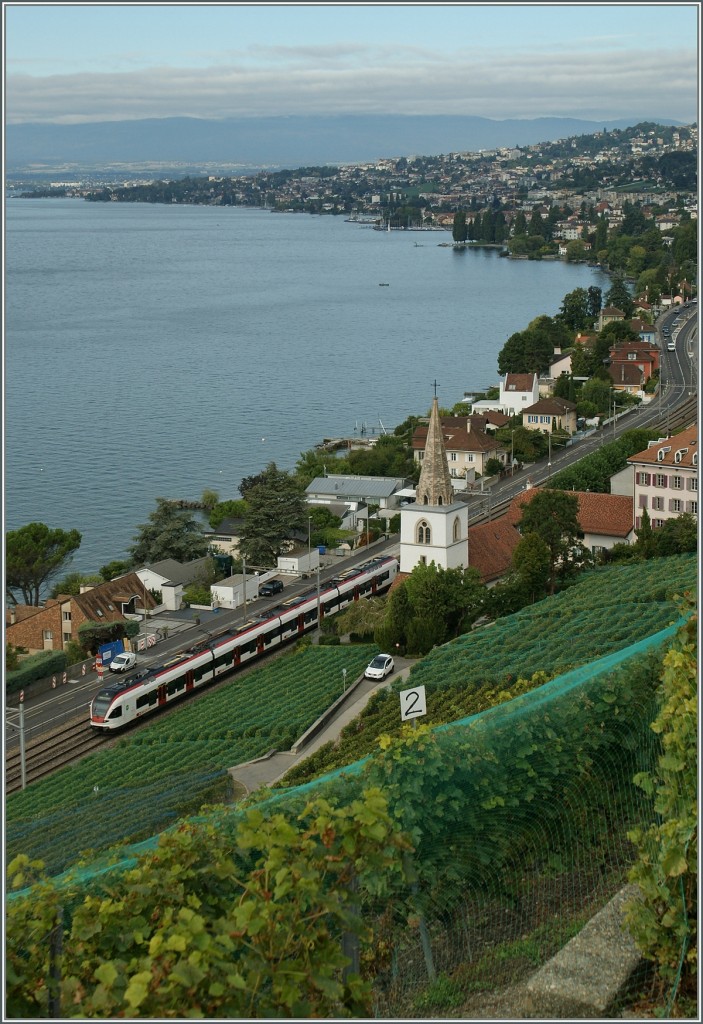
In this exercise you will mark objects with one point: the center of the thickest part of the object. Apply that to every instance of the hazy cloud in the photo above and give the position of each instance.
(353, 79)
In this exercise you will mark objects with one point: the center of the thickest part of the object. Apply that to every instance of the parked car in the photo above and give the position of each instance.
(270, 588)
(381, 666)
(123, 662)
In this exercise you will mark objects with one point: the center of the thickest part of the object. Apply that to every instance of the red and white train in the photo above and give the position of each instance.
(146, 690)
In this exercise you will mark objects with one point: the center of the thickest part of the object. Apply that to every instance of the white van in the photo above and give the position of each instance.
(671, 346)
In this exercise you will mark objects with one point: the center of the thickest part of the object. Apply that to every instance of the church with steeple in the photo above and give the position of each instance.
(435, 528)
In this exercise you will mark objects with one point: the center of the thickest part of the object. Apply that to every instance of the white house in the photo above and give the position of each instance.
(229, 593)
(517, 392)
(171, 577)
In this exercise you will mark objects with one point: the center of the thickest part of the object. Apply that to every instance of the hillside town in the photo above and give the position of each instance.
(651, 165)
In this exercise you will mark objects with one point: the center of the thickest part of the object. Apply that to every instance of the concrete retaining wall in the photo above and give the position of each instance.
(589, 977)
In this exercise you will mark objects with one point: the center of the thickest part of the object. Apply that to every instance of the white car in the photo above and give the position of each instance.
(381, 666)
(123, 662)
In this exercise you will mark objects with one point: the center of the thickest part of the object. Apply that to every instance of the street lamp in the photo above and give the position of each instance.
(512, 452)
(309, 548)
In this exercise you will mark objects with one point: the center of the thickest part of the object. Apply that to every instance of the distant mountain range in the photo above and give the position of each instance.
(278, 142)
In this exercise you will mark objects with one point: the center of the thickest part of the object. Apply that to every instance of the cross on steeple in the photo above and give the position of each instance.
(435, 386)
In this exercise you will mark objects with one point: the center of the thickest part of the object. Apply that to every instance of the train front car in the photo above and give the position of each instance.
(106, 709)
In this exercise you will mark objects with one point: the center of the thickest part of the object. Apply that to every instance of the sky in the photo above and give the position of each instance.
(72, 63)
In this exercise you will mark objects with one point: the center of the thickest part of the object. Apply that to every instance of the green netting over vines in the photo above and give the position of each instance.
(174, 765)
(518, 817)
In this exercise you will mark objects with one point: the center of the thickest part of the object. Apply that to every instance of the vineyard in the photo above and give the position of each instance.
(169, 768)
(607, 610)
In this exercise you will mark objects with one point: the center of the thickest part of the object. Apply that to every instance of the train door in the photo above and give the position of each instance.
(260, 644)
(356, 593)
(161, 694)
(190, 680)
(301, 624)
(236, 657)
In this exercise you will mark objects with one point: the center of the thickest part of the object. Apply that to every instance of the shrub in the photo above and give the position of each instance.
(663, 923)
(330, 640)
(37, 667)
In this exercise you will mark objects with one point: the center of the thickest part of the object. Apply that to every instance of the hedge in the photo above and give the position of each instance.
(38, 666)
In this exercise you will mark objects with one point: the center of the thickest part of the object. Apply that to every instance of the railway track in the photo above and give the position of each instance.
(51, 751)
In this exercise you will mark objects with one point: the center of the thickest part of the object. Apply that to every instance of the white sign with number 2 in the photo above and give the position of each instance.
(412, 703)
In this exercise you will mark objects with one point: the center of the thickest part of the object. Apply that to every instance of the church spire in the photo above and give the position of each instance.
(435, 484)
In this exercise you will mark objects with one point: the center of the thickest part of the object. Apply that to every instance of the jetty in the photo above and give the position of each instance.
(336, 444)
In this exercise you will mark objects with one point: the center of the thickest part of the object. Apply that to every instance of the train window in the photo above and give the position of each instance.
(383, 577)
(364, 588)
(224, 659)
(310, 616)
(174, 686)
(249, 648)
(329, 606)
(143, 700)
(201, 672)
(116, 712)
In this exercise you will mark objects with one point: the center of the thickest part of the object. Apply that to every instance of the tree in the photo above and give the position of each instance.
(171, 532)
(678, 535)
(314, 463)
(34, 555)
(232, 509)
(209, 499)
(594, 302)
(114, 569)
(553, 517)
(528, 351)
(519, 224)
(619, 296)
(430, 606)
(12, 656)
(531, 564)
(459, 226)
(574, 310)
(601, 239)
(536, 225)
(645, 543)
(576, 251)
(361, 617)
(72, 583)
(276, 508)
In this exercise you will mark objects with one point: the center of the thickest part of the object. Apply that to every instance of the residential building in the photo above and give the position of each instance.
(170, 578)
(370, 490)
(550, 414)
(663, 478)
(604, 520)
(467, 448)
(51, 626)
(627, 377)
(517, 392)
(609, 315)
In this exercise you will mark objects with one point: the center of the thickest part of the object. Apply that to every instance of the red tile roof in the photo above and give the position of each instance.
(491, 545)
(552, 407)
(623, 372)
(686, 439)
(519, 382)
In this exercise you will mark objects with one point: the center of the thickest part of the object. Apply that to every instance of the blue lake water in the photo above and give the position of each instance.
(158, 350)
